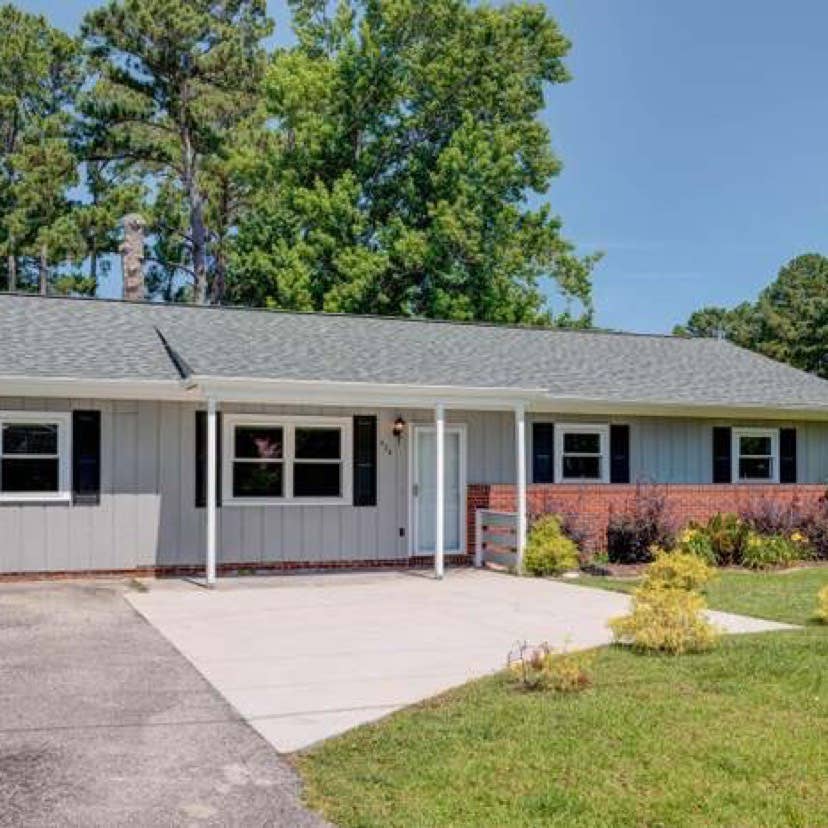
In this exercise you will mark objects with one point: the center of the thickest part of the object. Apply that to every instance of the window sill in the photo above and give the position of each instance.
(311, 501)
(22, 497)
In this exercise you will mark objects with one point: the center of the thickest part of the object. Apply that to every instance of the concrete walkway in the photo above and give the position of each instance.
(303, 658)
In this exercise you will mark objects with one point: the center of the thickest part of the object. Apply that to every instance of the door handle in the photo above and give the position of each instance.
(415, 490)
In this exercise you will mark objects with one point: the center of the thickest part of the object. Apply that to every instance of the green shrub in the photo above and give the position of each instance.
(768, 551)
(678, 570)
(694, 540)
(541, 668)
(822, 605)
(548, 550)
(727, 535)
(665, 620)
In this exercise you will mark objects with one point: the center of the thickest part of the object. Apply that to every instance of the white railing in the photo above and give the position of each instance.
(495, 538)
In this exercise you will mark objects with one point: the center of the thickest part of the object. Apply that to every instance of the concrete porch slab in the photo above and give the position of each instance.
(303, 658)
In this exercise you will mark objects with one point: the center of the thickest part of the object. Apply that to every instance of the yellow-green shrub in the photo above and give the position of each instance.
(822, 605)
(678, 570)
(548, 550)
(665, 620)
(695, 540)
(767, 551)
(667, 613)
(542, 668)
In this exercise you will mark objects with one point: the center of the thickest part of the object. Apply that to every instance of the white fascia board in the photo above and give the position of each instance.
(232, 389)
(104, 389)
(661, 408)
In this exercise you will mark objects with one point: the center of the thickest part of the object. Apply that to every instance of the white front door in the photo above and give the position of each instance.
(424, 489)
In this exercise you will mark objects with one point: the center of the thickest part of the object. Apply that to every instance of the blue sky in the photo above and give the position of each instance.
(694, 138)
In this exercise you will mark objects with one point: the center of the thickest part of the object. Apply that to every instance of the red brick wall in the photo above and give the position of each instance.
(593, 504)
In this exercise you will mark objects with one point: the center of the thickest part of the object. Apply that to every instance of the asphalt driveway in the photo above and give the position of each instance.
(103, 722)
(303, 658)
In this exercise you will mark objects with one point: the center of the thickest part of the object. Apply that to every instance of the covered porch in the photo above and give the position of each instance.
(408, 462)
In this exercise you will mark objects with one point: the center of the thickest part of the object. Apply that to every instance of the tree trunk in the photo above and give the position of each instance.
(93, 265)
(12, 265)
(44, 271)
(198, 234)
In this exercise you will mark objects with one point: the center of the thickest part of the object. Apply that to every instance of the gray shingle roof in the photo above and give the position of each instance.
(91, 339)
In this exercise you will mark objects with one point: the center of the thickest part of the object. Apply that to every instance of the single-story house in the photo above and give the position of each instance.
(149, 437)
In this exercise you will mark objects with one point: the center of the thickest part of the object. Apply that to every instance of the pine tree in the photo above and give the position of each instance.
(39, 74)
(173, 77)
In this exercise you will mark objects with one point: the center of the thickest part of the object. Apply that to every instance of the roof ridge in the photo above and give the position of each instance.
(467, 323)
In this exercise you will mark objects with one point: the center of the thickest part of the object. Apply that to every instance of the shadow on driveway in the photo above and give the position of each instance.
(102, 722)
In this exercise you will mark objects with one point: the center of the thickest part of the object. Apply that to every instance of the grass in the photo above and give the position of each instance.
(736, 736)
(780, 596)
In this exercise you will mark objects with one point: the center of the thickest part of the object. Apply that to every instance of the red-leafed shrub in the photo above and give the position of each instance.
(646, 524)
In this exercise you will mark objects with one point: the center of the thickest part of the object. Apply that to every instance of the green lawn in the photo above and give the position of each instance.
(738, 736)
(786, 596)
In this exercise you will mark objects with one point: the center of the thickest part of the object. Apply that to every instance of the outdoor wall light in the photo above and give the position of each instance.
(399, 427)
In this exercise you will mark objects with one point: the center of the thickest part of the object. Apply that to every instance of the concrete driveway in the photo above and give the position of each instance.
(102, 722)
(303, 658)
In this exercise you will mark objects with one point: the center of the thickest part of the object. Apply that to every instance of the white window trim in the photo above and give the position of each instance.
(602, 430)
(289, 424)
(63, 421)
(738, 433)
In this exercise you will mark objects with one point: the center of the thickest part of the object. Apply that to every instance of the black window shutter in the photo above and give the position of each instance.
(201, 459)
(619, 454)
(365, 460)
(722, 455)
(543, 453)
(787, 455)
(86, 457)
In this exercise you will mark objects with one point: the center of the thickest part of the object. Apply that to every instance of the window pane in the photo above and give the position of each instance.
(582, 467)
(318, 443)
(317, 480)
(29, 475)
(582, 443)
(258, 442)
(755, 445)
(755, 468)
(257, 480)
(23, 438)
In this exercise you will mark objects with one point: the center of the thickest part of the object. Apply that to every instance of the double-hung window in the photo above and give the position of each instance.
(756, 455)
(581, 453)
(34, 456)
(284, 460)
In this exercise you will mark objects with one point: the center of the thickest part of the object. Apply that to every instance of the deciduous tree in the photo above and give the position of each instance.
(404, 161)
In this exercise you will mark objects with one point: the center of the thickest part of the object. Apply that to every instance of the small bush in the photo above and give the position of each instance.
(548, 550)
(815, 527)
(678, 570)
(631, 535)
(667, 621)
(694, 540)
(541, 668)
(667, 611)
(768, 551)
(768, 516)
(727, 535)
(822, 605)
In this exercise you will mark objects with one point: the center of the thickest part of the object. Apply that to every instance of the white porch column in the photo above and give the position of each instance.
(520, 479)
(212, 465)
(440, 489)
